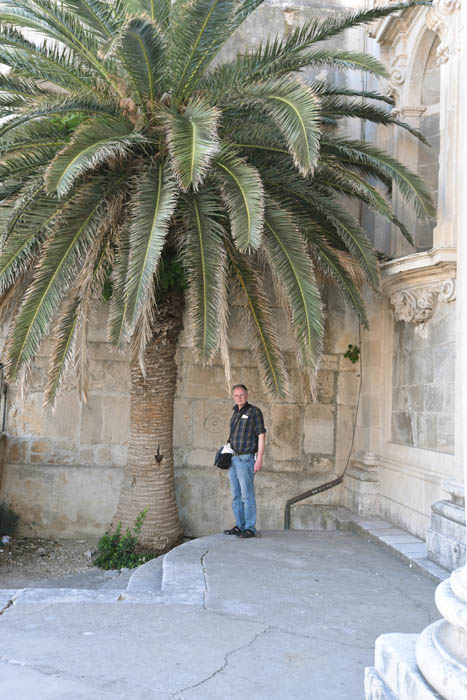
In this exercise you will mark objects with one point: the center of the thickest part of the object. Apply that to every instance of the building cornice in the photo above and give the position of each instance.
(416, 283)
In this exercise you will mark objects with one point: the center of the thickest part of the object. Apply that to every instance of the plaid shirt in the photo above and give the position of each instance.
(251, 424)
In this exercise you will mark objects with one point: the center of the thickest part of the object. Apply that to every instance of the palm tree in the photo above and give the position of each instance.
(133, 169)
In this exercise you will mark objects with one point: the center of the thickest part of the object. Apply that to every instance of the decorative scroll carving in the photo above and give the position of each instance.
(417, 305)
(440, 20)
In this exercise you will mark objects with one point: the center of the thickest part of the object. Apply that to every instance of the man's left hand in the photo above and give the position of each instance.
(258, 464)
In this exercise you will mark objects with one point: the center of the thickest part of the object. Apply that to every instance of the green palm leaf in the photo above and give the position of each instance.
(260, 325)
(94, 143)
(344, 59)
(24, 162)
(334, 107)
(243, 194)
(329, 264)
(61, 357)
(198, 29)
(361, 153)
(351, 233)
(119, 300)
(323, 87)
(193, 141)
(85, 105)
(58, 22)
(203, 257)
(295, 109)
(25, 230)
(352, 184)
(62, 258)
(291, 265)
(158, 10)
(141, 48)
(152, 207)
(102, 17)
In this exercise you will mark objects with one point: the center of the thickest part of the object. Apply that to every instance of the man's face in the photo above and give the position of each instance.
(240, 397)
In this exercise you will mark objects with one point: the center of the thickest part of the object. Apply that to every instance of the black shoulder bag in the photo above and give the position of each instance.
(223, 460)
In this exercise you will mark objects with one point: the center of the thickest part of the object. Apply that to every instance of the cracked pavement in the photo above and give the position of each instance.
(291, 616)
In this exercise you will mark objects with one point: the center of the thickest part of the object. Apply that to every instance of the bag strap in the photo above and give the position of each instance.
(239, 415)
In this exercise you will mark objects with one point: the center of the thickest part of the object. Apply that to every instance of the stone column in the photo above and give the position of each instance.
(434, 664)
(441, 649)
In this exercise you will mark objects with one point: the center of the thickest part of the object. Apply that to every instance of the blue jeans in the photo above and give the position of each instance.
(241, 475)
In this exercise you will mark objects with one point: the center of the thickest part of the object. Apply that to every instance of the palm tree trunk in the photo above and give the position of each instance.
(147, 481)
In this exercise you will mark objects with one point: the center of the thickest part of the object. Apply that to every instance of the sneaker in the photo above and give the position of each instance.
(233, 531)
(246, 534)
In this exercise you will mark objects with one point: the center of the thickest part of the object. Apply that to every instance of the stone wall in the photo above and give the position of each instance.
(307, 442)
(64, 466)
(423, 382)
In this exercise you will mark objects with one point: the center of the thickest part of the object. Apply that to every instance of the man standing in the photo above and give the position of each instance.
(247, 438)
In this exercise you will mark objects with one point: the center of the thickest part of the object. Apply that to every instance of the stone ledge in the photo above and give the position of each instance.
(397, 671)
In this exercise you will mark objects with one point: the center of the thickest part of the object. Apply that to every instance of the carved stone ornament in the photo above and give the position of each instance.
(442, 20)
(417, 305)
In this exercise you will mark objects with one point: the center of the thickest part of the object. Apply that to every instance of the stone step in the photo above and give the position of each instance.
(183, 575)
(403, 544)
(395, 673)
(307, 516)
(147, 577)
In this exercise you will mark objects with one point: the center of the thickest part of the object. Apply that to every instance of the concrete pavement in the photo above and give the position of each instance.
(288, 616)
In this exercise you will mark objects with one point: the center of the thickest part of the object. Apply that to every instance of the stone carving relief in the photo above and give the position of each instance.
(417, 305)
(442, 20)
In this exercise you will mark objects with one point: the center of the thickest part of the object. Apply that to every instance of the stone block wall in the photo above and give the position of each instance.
(63, 467)
(423, 382)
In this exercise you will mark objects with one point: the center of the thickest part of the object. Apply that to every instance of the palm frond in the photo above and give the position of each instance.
(343, 180)
(34, 135)
(25, 232)
(19, 164)
(344, 59)
(102, 17)
(58, 22)
(118, 303)
(323, 87)
(16, 87)
(157, 10)
(152, 207)
(203, 257)
(61, 357)
(69, 335)
(193, 141)
(85, 104)
(259, 323)
(319, 29)
(94, 142)
(290, 264)
(198, 29)
(329, 262)
(295, 110)
(141, 48)
(361, 153)
(334, 107)
(54, 64)
(75, 229)
(351, 233)
(242, 191)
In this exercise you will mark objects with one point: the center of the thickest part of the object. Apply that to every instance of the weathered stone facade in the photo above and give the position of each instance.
(63, 466)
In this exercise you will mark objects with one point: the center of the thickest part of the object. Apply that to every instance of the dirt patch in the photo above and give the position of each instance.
(30, 560)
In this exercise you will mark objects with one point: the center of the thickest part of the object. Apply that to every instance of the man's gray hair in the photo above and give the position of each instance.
(240, 386)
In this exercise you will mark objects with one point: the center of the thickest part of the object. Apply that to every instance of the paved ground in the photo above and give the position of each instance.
(291, 616)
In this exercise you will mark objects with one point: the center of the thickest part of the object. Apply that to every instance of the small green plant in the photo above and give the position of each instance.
(353, 353)
(8, 520)
(117, 550)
